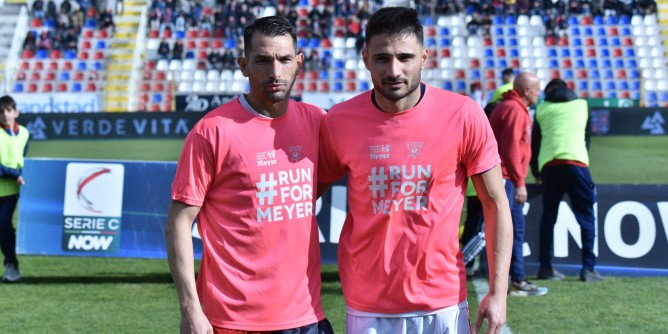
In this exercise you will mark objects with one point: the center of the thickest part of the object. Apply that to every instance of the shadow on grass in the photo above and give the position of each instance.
(114, 279)
(330, 276)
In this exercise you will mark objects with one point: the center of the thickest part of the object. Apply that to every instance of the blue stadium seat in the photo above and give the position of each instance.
(615, 41)
(652, 97)
(190, 54)
(82, 66)
(575, 31)
(510, 20)
(64, 76)
(324, 75)
(230, 43)
(156, 98)
(663, 97)
(428, 21)
(431, 42)
(500, 42)
(461, 86)
(605, 63)
(596, 85)
(474, 74)
(364, 86)
(179, 34)
(583, 86)
(514, 53)
(302, 43)
(624, 20)
(42, 54)
(576, 41)
(498, 31)
(566, 53)
(578, 53)
(598, 20)
(445, 31)
(619, 63)
(605, 52)
(573, 21)
(339, 65)
(567, 74)
(50, 23)
(511, 31)
(607, 74)
(611, 20)
(76, 87)
(489, 63)
(587, 31)
(18, 87)
(634, 74)
(593, 73)
(623, 85)
(611, 95)
(498, 19)
(90, 23)
(70, 54)
(338, 75)
(579, 63)
(625, 31)
(553, 64)
(100, 44)
(98, 66)
(502, 63)
(592, 63)
(314, 42)
(602, 42)
(629, 52)
(338, 86)
(635, 95)
(512, 42)
(489, 53)
(631, 64)
(552, 52)
(445, 42)
(447, 85)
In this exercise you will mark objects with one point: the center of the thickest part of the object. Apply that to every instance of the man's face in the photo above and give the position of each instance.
(395, 64)
(8, 116)
(533, 92)
(271, 67)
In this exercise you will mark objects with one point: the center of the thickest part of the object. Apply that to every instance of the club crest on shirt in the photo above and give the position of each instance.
(379, 152)
(414, 148)
(295, 153)
(266, 158)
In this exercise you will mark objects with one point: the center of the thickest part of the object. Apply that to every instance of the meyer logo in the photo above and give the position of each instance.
(654, 124)
(93, 207)
(267, 158)
(379, 152)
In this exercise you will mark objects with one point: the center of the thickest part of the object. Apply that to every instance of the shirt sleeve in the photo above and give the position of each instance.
(329, 164)
(510, 130)
(481, 152)
(195, 171)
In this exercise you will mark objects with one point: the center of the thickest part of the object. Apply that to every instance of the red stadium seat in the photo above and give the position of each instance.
(191, 34)
(431, 31)
(153, 34)
(351, 74)
(202, 54)
(491, 86)
(67, 66)
(487, 41)
(324, 86)
(102, 33)
(581, 74)
(475, 63)
(98, 55)
(35, 76)
(627, 41)
(589, 41)
(78, 76)
(38, 66)
(32, 87)
(205, 33)
(598, 95)
(48, 87)
(50, 76)
(326, 43)
(55, 54)
(433, 63)
(445, 53)
(460, 74)
(613, 31)
(218, 33)
(145, 87)
(204, 44)
(591, 53)
(563, 41)
(617, 52)
(91, 87)
(515, 63)
(83, 55)
(299, 87)
(85, 45)
(624, 95)
(62, 87)
(351, 87)
(566, 63)
(312, 87)
(621, 74)
(146, 75)
(20, 76)
(500, 52)
(27, 54)
(25, 65)
(160, 75)
(53, 65)
(150, 65)
(489, 74)
(312, 75)
(35, 23)
(554, 74)
(570, 84)
(158, 87)
(550, 41)
(217, 43)
(155, 108)
(88, 33)
(190, 44)
(586, 20)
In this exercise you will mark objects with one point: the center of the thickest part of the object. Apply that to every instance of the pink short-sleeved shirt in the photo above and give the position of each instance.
(399, 249)
(254, 180)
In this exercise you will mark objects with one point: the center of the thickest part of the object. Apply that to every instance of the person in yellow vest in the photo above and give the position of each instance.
(507, 77)
(561, 163)
(13, 147)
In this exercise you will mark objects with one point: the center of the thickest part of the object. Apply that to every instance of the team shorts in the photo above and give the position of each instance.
(452, 320)
(321, 327)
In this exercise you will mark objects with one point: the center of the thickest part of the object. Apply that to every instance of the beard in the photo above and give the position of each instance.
(396, 95)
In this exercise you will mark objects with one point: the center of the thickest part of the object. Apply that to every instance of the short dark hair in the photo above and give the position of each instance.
(7, 102)
(271, 26)
(394, 21)
(555, 83)
(508, 71)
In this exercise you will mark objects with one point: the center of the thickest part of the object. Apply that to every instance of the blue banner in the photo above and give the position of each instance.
(119, 209)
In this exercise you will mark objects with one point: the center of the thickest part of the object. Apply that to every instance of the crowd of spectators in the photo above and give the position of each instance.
(58, 26)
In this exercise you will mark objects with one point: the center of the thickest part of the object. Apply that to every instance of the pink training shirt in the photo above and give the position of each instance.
(254, 180)
(399, 248)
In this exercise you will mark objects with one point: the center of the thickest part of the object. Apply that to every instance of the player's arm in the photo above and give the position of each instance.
(178, 236)
(499, 239)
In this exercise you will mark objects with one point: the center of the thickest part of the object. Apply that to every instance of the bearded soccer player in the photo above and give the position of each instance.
(247, 173)
(407, 149)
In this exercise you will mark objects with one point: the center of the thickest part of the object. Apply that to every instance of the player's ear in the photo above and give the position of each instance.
(243, 65)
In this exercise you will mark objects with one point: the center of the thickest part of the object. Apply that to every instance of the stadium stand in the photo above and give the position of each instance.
(156, 50)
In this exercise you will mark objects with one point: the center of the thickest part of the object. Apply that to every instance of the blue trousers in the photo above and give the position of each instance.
(517, 260)
(7, 232)
(577, 183)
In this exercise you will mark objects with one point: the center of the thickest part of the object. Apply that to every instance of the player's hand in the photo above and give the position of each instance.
(521, 194)
(492, 308)
(20, 180)
(195, 323)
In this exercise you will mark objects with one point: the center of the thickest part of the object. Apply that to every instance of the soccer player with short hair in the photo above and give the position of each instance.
(247, 173)
(407, 149)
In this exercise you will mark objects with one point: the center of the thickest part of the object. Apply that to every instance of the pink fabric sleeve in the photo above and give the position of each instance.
(329, 166)
(194, 172)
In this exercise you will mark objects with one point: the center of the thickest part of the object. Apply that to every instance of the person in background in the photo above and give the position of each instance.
(247, 173)
(507, 77)
(407, 149)
(511, 123)
(13, 147)
(561, 163)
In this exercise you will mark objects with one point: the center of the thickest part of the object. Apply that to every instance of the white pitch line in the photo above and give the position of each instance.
(481, 288)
